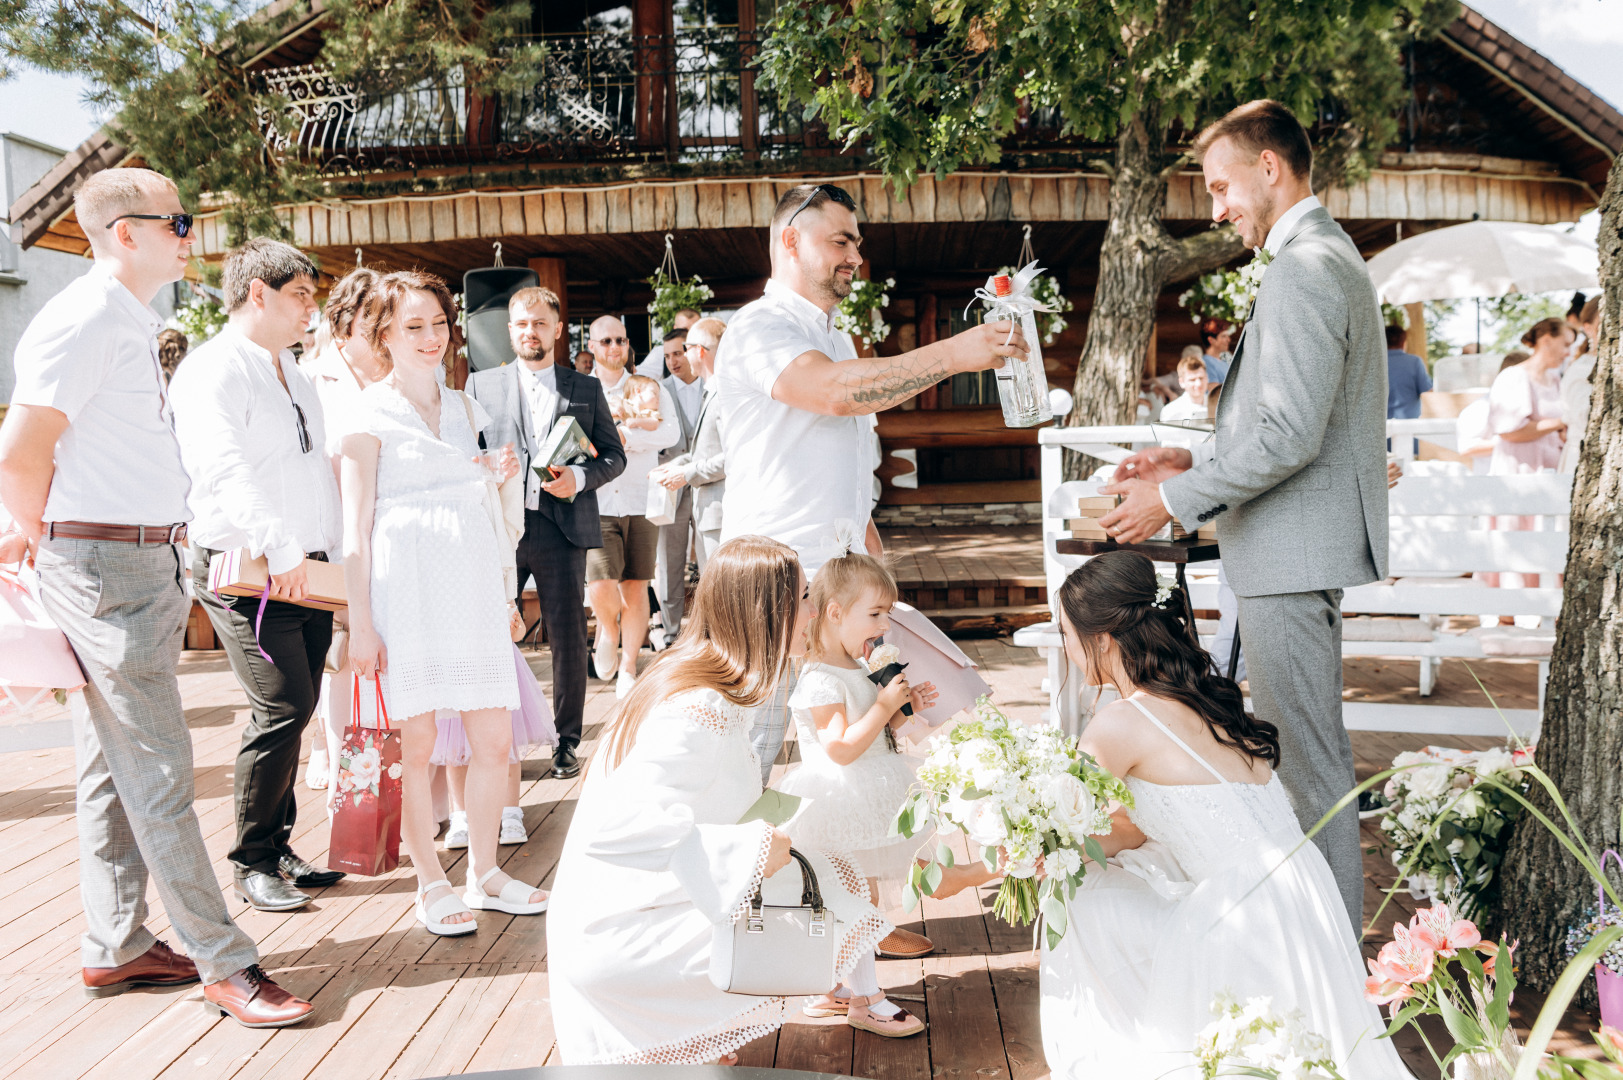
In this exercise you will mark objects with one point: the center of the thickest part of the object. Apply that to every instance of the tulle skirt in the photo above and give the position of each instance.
(851, 810)
(532, 723)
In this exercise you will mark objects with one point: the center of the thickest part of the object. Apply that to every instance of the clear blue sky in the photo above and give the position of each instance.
(1584, 36)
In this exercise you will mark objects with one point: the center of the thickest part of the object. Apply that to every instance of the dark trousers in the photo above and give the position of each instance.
(559, 569)
(282, 694)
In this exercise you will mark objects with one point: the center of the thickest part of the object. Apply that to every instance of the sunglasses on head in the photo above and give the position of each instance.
(182, 222)
(835, 194)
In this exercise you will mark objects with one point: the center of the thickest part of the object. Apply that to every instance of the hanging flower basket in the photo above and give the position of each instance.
(1221, 294)
(672, 294)
(861, 313)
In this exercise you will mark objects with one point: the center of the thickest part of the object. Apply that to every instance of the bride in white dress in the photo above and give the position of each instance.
(1209, 886)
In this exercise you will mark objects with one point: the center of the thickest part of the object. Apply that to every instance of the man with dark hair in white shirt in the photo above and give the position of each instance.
(252, 435)
(92, 477)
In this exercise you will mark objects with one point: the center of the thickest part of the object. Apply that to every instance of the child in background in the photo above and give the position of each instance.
(1192, 405)
(637, 405)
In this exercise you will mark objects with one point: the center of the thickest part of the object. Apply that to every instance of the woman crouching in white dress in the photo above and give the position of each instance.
(1210, 885)
(655, 858)
(427, 606)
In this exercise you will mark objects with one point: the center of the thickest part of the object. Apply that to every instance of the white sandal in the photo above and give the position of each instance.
(513, 899)
(450, 904)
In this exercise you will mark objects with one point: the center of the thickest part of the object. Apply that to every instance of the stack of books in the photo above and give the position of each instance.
(1090, 508)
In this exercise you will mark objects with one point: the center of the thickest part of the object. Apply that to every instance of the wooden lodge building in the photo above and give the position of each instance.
(649, 121)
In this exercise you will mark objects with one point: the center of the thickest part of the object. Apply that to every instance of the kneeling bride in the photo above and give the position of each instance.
(1210, 886)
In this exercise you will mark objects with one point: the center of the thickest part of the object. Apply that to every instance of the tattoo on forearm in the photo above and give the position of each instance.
(897, 380)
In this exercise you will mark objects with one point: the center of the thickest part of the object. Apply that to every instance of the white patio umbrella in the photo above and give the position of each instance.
(1484, 258)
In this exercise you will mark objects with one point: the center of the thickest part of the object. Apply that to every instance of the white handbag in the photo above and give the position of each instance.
(662, 502)
(778, 951)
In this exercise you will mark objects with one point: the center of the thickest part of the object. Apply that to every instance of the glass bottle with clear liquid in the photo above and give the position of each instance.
(1022, 385)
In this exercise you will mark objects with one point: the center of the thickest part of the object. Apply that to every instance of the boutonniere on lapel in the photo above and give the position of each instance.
(1251, 278)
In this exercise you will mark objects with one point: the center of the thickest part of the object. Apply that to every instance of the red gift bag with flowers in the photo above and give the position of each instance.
(366, 801)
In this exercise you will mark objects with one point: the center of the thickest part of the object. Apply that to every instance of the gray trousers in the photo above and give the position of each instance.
(709, 541)
(1228, 612)
(769, 720)
(1293, 650)
(673, 564)
(124, 612)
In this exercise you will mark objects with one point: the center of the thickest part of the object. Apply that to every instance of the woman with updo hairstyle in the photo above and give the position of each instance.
(1211, 886)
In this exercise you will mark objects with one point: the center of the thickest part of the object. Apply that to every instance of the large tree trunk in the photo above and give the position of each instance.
(1136, 261)
(1581, 742)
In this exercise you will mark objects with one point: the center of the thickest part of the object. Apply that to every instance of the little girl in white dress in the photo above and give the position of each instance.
(852, 773)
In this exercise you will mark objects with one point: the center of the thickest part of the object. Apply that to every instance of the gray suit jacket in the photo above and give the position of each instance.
(704, 466)
(1296, 475)
(689, 423)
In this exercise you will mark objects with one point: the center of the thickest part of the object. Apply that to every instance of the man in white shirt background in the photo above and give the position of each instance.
(1192, 403)
(687, 391)
(251, 435)
(92, 476)
(619, 572)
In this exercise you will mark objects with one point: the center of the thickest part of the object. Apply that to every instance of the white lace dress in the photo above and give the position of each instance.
(654, 860)
(437, 592)
(1196, 910)
(852, 806)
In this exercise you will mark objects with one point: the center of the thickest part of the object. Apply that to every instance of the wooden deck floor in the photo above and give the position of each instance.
(395, 1002)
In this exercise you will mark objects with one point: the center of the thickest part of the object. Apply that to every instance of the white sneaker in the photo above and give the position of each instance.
(513, 826)
(316, 774)
(623, 684)
(656, 638)
(606, 656)
(456, 834)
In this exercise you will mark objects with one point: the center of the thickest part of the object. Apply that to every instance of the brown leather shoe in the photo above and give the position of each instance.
(905, 945)
(158, 966)
(251, 999)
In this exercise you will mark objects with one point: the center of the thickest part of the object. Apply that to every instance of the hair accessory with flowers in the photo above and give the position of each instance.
(1163, 589)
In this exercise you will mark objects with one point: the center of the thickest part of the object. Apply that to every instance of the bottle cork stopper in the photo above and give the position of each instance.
(1001, 285)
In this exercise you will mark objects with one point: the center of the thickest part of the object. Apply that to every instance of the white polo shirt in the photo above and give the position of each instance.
(92, 354)
(792, 475)
(253, 484)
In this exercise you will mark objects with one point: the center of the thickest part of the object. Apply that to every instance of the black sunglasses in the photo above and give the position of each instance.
(607, 341)
(835, 194)
(181, 222)
(304, 429)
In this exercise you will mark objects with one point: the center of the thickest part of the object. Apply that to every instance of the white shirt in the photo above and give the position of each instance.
(340, 394)
(689, 395)
(541, 391)
(1276, 236)
(253, 485)
(792, 475)
(1183, 408)
(92, 354)
(627, 494)
(652, 365)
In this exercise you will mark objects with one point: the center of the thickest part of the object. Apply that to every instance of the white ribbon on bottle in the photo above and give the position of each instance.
(1018, 302)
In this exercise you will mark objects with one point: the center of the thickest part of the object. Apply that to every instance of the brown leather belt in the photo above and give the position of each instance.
(128, 534)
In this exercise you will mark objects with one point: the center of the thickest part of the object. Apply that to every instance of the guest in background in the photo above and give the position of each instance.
(654, 363)
(686, 389)
(703, 467)
(618, 573)
(1524, 411)
(252, 436)
(91, 474)
(172, 346)
(1192, 404)
(1472, 431)
(561, 522)
(341, 366)
(1576, 385)
(1216, 337)
(1406, 377)
(427, 610)
(583, 361)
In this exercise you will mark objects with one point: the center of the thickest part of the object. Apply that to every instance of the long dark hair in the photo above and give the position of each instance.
(1114, 594)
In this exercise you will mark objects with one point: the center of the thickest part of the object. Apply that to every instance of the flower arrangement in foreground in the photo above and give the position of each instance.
(1412, 977)
(1023, 792)
(1254, 1040)
(860, 314)
(1447, 829)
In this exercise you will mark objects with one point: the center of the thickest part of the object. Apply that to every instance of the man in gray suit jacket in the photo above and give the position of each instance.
(687, 391)
(703, 468)
(525, 399)
(1296, 476)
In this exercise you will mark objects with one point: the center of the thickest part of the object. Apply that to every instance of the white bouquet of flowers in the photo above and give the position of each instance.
(1448, 830)
(1254, 1040)
(1027, 791)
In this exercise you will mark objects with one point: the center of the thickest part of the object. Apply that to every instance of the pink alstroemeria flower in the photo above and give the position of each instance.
(1611, 1039)
(1442, 932)
(1405, 959)
(1380, 990)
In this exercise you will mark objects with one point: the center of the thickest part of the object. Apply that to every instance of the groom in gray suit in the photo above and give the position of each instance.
(1296, 476)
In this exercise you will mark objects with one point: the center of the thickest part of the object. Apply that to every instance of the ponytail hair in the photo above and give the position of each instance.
(1115, 594)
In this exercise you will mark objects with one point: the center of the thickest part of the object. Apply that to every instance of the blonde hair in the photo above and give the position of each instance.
(707, 333)
(113, 193)
(737, 642)
(843, 581)
(1191, 363)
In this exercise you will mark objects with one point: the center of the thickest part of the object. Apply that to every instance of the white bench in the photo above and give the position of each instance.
(1438, 534)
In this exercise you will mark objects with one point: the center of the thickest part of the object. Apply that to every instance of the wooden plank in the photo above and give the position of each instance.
(737, 211)
(575, 213)
(896, 1059)
(711, 208)
(687, 206)
(420, 223)
(597, 212)
(522, 1037)
(1016, 983)
(763, 202)
(616, 210)
(816, 1044)
(227, 1046)
(642, 209)
(554, 220)
(467, 217)
(510, 214)
(535, 215)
